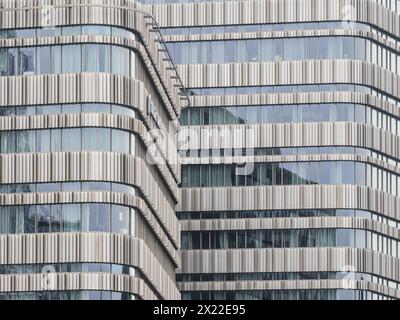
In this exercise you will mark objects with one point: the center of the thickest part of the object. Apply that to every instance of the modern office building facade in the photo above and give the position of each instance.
(86, 211)
(290, 178)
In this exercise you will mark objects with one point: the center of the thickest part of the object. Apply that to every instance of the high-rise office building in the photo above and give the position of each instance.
(86, 211)
(289, 149)
(290, 179)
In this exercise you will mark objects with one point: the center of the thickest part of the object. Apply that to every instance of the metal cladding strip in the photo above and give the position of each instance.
(126, 14)
(76, 282)
(273, 11)
(291, 135)
(86, 87)
(136, 202)
(292, 223)
(90, 166)
(87, 247)
(290, 285)
(384, 42)
(301, 197)
(290, 260)
(87, 120)
(290, 73)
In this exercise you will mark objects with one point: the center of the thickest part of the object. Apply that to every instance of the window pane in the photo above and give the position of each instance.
(120, 60)
(96, 217)
(120, 219)
(346, 172)
(71, 139)
(71, 58)
(27, 61)
(43, 140)
(56, 140)
(12, 59)
(43, 60)
(96, 139)
(55, 59)
(71, 217)
(120, 141)
(43, 218)
(56, 218)
(96, 58)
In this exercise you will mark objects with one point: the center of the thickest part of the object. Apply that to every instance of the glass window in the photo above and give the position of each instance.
(26, 141)
(43, 218)
(230, 47)
(359, 114)
(120, 32)
(29, 219)
(55, 59)
(231, 115)
(96, 186)
(217, 175)
(289, 173)
(120, 60)
(71, 59)
(120, 141)
(96, 139)
(360, 49)
(48, 109)
(7, 220)
(253, 52)
(314, 177)
(96, 58)
(43, 141)
(345, 238)
(48, 32)
(346, 172)
(290, 49)
(267, 114)
(304, 113)
(289, 114)
(303, 48)
(71, 31)
(48, 187)
(345, 112)
(217, 115)
(56, 218)
(123, 110)
(360, 174)
(278, 49)
(43, 60)
(71, 217)
(348, 48)
(218, 52)
(327, 173)
(3, 62)
(12, 62)
(95, 108)
(314, 48)
(120, 219)
(56, 140)
(327, 112)
(205, 176)
(96, 217)
(96, 30)
(241, 51)
(71, 186)
(242, 115)
(27, 61)
(71, 139)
